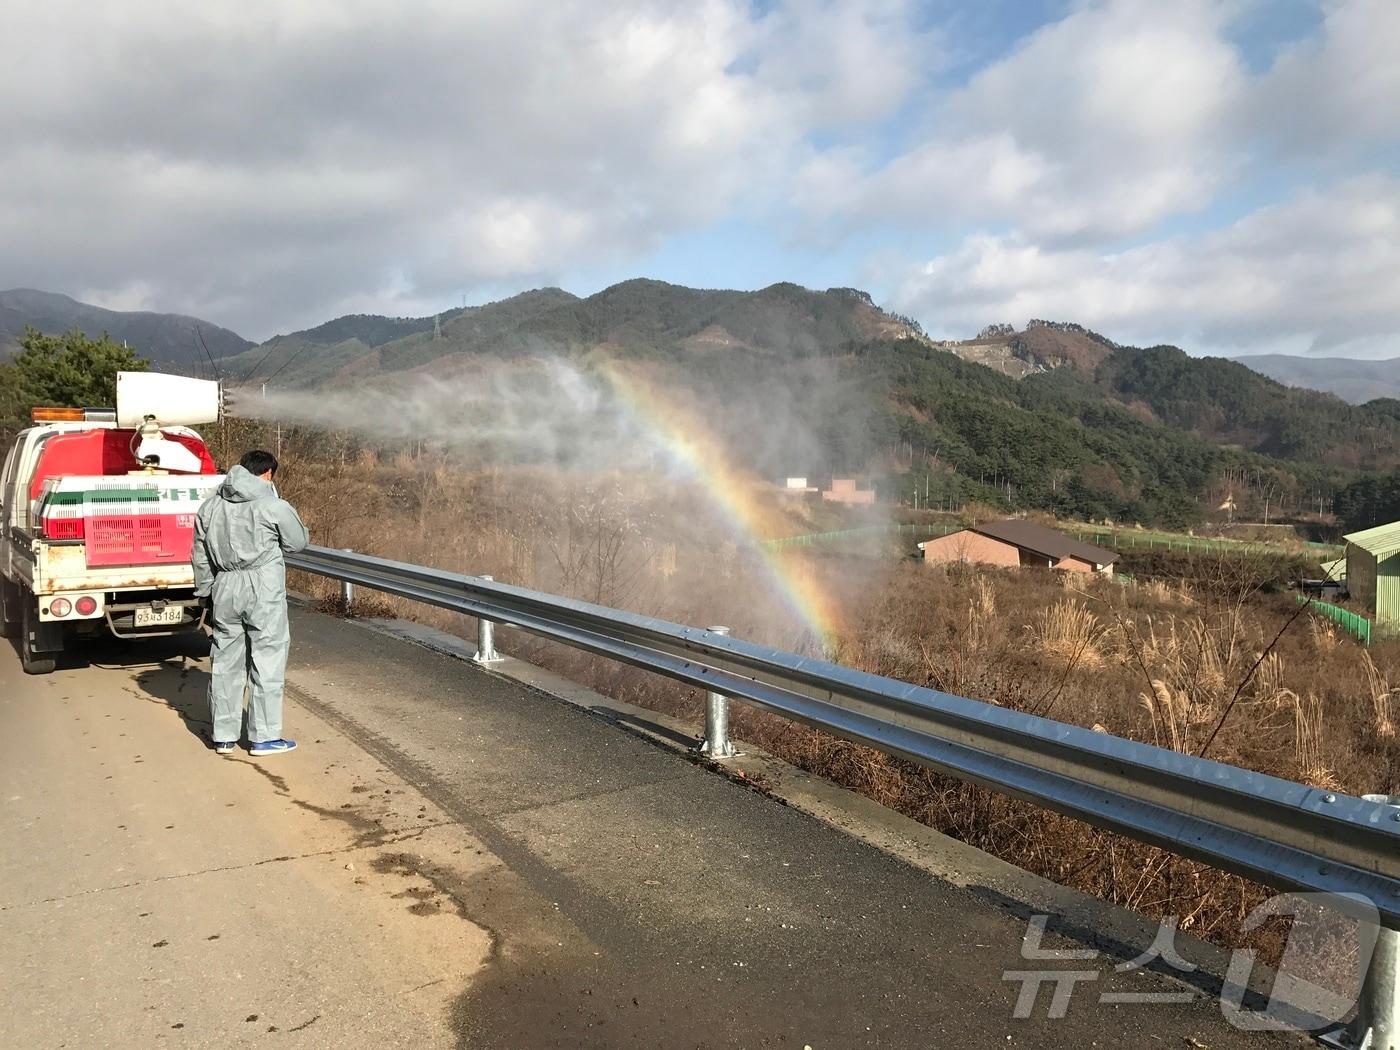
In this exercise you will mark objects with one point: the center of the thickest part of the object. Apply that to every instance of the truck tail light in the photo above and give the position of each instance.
(86, 605)
(60, 607)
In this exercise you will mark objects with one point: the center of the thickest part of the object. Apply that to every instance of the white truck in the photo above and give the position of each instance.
(97, 511)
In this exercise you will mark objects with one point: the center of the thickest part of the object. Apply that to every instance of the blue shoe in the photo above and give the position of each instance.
(272, 747)
(223, 747)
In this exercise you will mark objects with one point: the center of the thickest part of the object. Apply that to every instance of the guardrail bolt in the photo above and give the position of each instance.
(716, 743)
(485, 639)
(347, 592)
(1377, 1023)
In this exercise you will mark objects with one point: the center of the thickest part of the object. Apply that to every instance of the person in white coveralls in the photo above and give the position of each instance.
(241, 534)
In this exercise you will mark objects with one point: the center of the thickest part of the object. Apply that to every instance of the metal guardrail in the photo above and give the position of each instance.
(1279, 833)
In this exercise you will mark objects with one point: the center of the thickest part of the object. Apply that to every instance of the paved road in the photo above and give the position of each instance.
(452, 859)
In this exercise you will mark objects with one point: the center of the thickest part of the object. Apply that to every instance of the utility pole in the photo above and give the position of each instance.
(279, 425)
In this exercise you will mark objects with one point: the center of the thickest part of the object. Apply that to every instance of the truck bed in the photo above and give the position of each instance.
(57, 566)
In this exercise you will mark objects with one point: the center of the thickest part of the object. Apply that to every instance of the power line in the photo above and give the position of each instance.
(210, 357)
(295, 354)
(248, 374)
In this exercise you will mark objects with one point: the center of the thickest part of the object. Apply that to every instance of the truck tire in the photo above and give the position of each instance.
(30, 661)
(10, 615)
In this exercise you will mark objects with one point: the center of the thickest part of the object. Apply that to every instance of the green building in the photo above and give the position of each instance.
(1373, 572)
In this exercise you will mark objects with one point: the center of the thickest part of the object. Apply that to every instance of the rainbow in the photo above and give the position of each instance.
(738, 495)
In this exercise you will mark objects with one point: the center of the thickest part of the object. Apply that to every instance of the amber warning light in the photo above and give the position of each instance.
(57, 415)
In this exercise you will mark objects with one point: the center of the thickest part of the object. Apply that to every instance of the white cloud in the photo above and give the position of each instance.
(133, 296)
(267, 165)
(1124, 115)
(1339, 89)
(1096, 126)
(945, 182)
(1318, 273)
(845, 63)
(259, 162)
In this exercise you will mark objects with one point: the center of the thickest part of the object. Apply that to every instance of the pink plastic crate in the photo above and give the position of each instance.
(139, 539)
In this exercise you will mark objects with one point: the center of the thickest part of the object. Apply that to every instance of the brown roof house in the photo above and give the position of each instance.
(1016, 543)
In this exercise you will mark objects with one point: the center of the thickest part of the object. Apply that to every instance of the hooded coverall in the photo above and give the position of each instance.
(240, 535)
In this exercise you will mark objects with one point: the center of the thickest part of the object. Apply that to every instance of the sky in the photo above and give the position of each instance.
(1219, 174)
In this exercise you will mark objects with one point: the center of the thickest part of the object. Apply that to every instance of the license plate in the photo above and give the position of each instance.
(171, 614)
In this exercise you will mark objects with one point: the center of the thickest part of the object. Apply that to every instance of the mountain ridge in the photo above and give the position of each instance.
(163, 338)
(641, 315)
(1356, 380)
(1066, 419)
(783, 327)
(1075, 421)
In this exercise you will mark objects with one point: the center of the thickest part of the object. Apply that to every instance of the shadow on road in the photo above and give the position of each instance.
(181, 683)
(184, 687)
(177, 678)
(106, 651)
(166, 669)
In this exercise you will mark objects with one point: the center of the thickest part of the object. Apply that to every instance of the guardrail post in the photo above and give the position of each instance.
(716, 743)
(1377, 1023)
(485, 639)
(347, 592)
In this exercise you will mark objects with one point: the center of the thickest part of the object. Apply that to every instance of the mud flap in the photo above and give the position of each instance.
(39, 643)
(11, 608)
(45, 636)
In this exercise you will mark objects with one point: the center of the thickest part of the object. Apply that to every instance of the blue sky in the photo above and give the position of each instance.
(1222, 174)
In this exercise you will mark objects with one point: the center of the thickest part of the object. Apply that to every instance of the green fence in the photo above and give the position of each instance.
(899, 528)
(1354, 624)
(1114, 540)
(1138, 541)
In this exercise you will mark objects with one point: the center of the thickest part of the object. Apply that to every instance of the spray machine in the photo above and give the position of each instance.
(152, 401)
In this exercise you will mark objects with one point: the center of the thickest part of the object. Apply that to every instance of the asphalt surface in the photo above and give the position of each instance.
(453, 859)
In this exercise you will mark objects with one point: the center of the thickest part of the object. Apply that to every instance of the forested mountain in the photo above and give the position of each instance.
(1091, 429)
(165, 339)
(1094, 429)
(1218, 399)
(1372, 499)
(1056, 442)
(636, 318)
(1225, 402)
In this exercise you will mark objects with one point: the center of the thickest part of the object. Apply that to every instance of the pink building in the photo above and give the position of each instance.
(844, 490)
(1015, 543)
